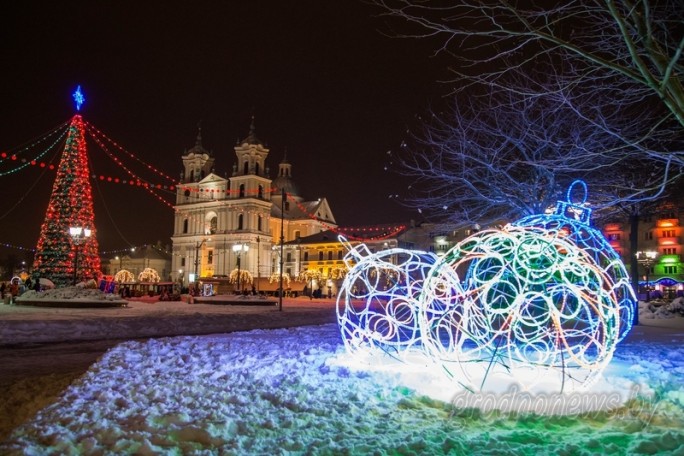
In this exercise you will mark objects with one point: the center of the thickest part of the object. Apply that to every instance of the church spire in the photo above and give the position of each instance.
(198, 141)
(252, 137)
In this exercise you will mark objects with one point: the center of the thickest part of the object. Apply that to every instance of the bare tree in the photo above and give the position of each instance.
(630, 43)
(503, 156)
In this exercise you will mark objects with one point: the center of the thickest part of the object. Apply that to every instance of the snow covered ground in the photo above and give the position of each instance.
(292, 391)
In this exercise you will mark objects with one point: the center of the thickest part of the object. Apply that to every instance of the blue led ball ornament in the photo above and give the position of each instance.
(541, 305)
(573, 220)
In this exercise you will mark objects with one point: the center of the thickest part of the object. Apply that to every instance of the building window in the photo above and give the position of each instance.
(289, 257)
(183, 261)
(213, 223)
(287, 205)
(245, 168)
(668, 233)
(240, 221)
(648, 236)
(185, 226)
(670, 269)
(614, 237)
(669, 251)
(187, 195)
(242, 190)
(259, 223)
(210, 257)
(320, 257)
(306, 256)
(261, 192)
(330, 254)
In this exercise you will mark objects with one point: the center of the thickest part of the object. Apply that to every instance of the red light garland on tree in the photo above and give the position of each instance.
(71, 204)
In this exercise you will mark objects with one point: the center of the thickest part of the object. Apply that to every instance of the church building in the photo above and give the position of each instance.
(222, 224)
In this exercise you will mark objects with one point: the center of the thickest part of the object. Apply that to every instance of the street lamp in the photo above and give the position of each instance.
(78, 235)
(198, 246)
(647, 259)
(258, 239)
(238, 249)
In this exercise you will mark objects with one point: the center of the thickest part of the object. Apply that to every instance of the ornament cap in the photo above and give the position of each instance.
(575, 210)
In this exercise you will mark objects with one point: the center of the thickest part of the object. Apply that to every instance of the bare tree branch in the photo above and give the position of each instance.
(500, 156)
(635, 43)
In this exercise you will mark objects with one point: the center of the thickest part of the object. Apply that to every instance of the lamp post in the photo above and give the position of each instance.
(283, 197)
(258, 239)
(198, 246)
(238, 249)
(647, 259)
(78, 234)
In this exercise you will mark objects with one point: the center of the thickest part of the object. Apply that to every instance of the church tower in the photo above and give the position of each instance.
(197, 162)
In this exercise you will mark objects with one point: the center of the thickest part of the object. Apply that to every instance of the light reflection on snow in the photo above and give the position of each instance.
(286, 392)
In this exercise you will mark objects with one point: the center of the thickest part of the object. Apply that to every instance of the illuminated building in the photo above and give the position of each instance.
(214, 214)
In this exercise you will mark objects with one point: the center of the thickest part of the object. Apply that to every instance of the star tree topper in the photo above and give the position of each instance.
(79, 99)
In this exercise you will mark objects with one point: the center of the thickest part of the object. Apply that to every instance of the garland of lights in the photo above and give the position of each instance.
(542, 302)
(34, 161)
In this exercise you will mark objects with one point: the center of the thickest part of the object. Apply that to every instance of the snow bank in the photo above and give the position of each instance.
(287, 392)
(659, 309)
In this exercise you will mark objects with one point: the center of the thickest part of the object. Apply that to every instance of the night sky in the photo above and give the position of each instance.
(322, 80)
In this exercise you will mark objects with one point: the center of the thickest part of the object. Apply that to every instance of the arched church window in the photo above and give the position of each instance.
(240, 221)
(242, 190)
(256, 169)
(213, 224)
(259, 223)
(192, 175)
(261, 192)
(245, 168)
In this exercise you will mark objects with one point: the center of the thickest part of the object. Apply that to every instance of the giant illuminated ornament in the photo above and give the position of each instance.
(540, 303)
(377, 307)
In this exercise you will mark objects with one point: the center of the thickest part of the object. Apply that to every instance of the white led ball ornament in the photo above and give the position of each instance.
(377, 307)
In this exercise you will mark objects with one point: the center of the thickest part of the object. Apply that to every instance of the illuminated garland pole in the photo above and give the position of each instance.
(282, 241)
(70, 205)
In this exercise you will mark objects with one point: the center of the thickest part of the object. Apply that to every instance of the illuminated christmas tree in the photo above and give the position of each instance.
(65, 255)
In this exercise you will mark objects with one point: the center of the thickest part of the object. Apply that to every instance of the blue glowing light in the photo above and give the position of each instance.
(79, 99)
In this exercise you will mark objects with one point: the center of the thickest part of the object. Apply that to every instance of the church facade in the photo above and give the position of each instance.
(227, 223)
